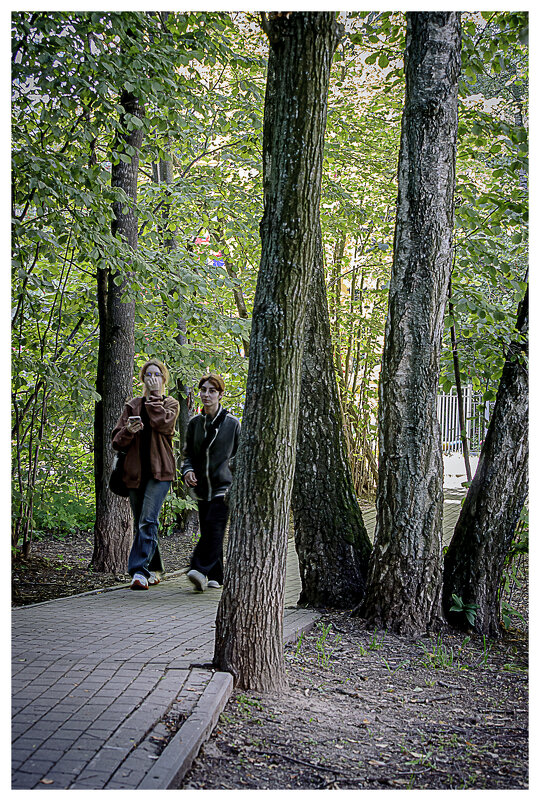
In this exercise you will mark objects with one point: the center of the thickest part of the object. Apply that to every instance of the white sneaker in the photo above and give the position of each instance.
(139, 582)
(196, 578)
(154, 578)
(214, 584)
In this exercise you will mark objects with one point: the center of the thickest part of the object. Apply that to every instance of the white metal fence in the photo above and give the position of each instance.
(477, 417)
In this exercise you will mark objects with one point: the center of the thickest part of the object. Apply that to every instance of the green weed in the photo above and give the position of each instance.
(439, 656)
(299, 645)
(248, 706)
(376, 644)
(485, 652)
(463, 608)
(323, 647)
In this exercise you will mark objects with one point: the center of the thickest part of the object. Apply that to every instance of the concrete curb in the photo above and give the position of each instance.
(178, 756)
(300, 628)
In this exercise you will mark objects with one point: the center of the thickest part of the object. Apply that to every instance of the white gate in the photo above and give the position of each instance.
(477, 416)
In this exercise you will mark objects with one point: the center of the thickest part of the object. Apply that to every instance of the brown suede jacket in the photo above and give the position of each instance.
(162, 413)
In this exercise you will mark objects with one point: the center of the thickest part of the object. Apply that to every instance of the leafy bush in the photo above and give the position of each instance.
(62, 514)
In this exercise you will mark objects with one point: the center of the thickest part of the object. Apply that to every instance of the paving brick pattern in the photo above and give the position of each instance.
(95, 676)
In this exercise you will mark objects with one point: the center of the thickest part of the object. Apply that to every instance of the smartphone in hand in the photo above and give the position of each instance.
(135, 424)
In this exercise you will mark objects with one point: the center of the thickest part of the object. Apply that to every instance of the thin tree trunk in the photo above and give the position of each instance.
(405, 577)
(352, 290)
(459, 390)
(331, 540)
(249, 625)
(188, 519)
(113, 533)
(237, 290)
(339, 252)
(483, 535)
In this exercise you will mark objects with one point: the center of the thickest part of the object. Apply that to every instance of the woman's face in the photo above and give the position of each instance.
(210, 397)
(153, 378)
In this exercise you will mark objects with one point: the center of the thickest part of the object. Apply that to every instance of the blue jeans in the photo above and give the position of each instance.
(146, 502)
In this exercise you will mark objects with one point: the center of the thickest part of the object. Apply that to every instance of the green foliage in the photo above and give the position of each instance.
(508, 613)
(513, 572)
(63, 514)
(200, 77)
(69, 70)
(468, 610)
(175, 503)
(490, 270)
(357, 214)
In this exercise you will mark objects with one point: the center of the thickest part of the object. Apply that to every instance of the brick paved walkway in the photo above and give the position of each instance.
(95, 676)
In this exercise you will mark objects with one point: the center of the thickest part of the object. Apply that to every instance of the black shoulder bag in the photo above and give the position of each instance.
(116, 481)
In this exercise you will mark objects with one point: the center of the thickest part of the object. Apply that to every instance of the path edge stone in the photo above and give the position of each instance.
(178, 756)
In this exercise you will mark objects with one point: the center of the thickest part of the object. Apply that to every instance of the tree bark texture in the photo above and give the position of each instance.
(113, 528)
(405, 575)
(474, 561)
(249, 625)
(331, 540)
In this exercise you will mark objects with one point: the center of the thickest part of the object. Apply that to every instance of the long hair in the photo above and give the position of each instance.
(162, 368)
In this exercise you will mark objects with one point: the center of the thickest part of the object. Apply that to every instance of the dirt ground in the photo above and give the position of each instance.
(364, 709)
(58, 567)
(369, 710)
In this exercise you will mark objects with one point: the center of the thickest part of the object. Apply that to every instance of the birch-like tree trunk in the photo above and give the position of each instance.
(249, 625)
(331, 540)
(113, 528)
(474, 561)
(405, 576)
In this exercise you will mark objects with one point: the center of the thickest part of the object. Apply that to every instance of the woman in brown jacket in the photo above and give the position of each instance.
(144, 433)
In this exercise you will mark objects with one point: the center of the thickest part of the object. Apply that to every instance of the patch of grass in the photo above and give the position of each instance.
(323, 646)
(375, 644)
(248, 706)
(439, 657)
(299, 645)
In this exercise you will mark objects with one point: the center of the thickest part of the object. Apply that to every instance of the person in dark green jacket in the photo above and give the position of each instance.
(211, 442)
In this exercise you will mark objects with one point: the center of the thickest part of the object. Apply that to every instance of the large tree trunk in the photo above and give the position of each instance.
(483, 535)
(113, 531)
(331, 539)
(249, 625)
(405, 577)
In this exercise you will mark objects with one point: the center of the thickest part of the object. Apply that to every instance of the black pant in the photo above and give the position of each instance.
(207, 557)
